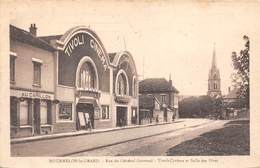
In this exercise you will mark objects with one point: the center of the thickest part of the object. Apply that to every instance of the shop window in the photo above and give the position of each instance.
(37, 73)
(87, 76)
(163, 99)
(12, 68)
(24, 113)
(44, 113)
(121, 85)
(105, 112)
(65, 111)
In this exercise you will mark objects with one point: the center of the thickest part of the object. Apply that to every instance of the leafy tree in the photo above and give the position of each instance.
(240, 76)
(206, 105)
(193, 107)
(189, 108)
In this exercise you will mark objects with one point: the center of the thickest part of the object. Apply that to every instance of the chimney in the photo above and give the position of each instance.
(170, 79)
(33, 29)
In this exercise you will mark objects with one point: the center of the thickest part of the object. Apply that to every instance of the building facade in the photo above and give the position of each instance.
(160, 97)
(214, 81)
(83, 82)
(32, 88)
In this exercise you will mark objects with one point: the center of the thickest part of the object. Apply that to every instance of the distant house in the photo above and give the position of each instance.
(232, 99)
(158, 100)
(234, 106)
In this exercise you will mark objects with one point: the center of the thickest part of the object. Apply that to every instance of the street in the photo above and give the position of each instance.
(150, 140)
(156, 145)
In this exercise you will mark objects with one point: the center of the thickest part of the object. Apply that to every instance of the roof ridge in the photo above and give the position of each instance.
(27, 33)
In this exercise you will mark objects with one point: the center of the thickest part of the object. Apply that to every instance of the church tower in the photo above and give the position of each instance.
(214, 78)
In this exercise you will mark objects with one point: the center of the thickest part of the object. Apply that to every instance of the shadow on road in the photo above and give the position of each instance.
(233, 139)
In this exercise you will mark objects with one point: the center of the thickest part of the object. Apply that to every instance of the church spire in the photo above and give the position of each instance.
(214, 64)
(214, 88)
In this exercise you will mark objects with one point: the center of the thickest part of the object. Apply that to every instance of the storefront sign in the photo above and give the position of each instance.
(74, 43)
(99, 52)
(79, 40)
(32, 94)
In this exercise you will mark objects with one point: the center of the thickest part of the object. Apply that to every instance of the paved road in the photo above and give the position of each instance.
(156, 145)
(78, 144)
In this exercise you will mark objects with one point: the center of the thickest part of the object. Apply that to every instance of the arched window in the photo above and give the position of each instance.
(215, 86)
(87, 77)
(121, 85)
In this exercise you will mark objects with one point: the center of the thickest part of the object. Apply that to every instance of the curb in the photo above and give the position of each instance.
(56, 136)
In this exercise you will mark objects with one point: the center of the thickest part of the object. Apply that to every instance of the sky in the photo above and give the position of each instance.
(164, 37)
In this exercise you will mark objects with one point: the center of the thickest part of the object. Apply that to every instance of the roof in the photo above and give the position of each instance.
(146, 102)
(49, 38)
(153, 85)
(26, 37)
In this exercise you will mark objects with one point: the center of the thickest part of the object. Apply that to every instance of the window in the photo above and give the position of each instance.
(12, 68)
(105, 112)
(134, 115)
(163, 98)
(13, 111)
(87, 76)
(215, 85)
(44, 114)
(65, 111)
(24, 113)
(121, 85)
(37, 73)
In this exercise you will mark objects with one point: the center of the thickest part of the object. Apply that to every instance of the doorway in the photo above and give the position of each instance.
(36, 117)
(85, 108)
(121, 116)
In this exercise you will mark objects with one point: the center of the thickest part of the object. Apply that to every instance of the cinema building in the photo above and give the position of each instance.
(77, 77)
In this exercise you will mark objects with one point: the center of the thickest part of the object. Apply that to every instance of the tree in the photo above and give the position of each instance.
(240, 76)
(194, 107)
(206, 105)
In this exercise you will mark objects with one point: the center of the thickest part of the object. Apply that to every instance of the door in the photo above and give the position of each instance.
(86, 108)
(36, 117)
(121, 116)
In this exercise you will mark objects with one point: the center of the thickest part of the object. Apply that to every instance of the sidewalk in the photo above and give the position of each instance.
(85, 141)
(82, 132)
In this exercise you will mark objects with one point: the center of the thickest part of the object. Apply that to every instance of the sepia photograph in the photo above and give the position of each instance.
(112, 83)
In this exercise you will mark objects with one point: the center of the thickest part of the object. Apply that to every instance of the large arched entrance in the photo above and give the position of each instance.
(87, 93)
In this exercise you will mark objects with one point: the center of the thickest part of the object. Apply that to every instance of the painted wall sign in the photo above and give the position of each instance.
(31, 94)
(74, 43)
(82, 45)
(79, 40)
(99, 52)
